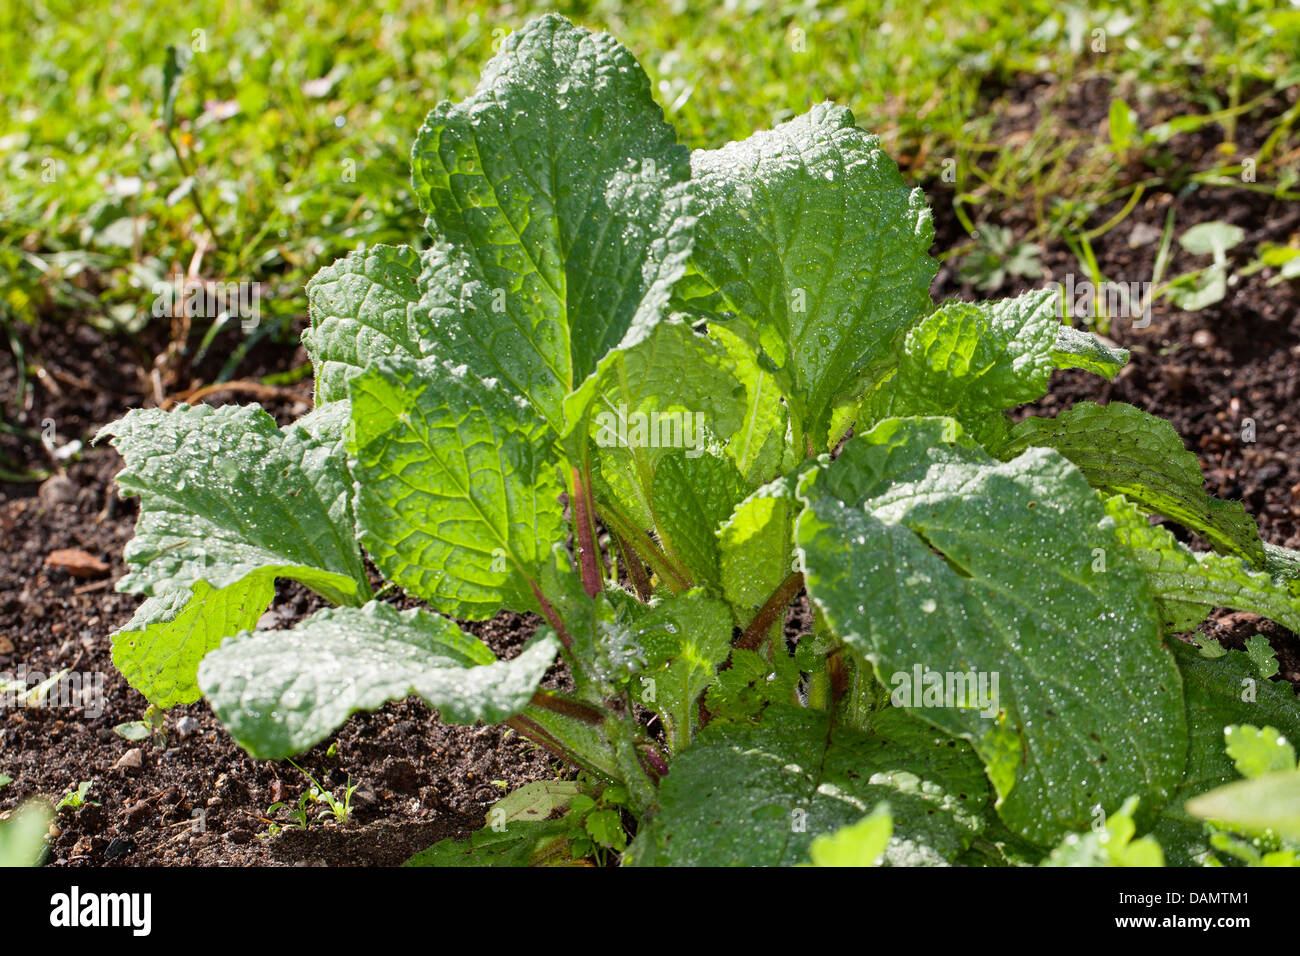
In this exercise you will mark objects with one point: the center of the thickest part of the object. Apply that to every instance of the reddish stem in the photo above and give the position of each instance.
(753, 636)
(588, 555)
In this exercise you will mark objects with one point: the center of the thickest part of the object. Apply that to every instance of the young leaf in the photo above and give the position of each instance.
(358, 310)
(159, 650)
(692, 497)
(1256, 751)
(558, 194)
(1076, 348)
(457, 501)
(1124, 450)
(809, 235)
(759, 796)
(858, 844)
(1267, 803)
(224, 493)
(972, 361)
(281, 692)
(1188, 585)
(1112, 846)
(670, 394)
(927, 555)
(685, 639)
(756, 547)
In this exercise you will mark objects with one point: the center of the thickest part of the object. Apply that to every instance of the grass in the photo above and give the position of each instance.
(293, 120)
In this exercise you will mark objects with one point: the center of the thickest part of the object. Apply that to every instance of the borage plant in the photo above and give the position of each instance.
(611, 340)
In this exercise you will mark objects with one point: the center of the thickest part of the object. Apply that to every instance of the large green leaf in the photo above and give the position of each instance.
(457, 500)
(224, 493)
(759, 796)
(972, 361)
(692, 497)
(358, 308)
(1188, 585)
(159, 651)
(281, 692)
(670, 394)
(559, 197)
(1124, 450)
(756, 547)
(927, 555)
(809, 235)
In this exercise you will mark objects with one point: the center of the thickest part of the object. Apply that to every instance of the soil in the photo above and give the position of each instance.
(200, 800)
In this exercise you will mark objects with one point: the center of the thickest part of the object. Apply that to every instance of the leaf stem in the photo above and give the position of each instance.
(584, 523)
(753, 635)
(568, 707)
(676, 579)
(635, 569)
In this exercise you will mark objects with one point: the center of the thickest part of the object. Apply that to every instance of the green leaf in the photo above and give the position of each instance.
(858, 844)
(534, 801)
(22, 836)
(1123, 450)
(1123, 125)
(927, 555)
(523, 843)
(809, 235)
(692, 497)
(669, 395)
(1267, 803)
(1076, 348)
(685, 639)
(281, 692)
(1188, 585)
(759, 796)
(224, 493)
(358, 309)
(1262, 656)
(1219, 692)
(1211, 238)
(1256, 751)
(972, 361)
(159, 651)
(558, 195)
(1112, 846)
(457, 500)
(758, 446)
(756, 547)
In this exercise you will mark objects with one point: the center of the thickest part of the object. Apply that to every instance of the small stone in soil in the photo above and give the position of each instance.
(131, 760)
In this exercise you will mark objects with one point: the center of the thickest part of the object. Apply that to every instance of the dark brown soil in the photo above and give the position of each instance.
(200, 800)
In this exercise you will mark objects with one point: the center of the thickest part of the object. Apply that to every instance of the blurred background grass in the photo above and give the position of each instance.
(293, 120)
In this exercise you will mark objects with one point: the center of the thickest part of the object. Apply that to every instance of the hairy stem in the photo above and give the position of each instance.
(635, 569)
(752, 638)
(676, 580)
(559, 704)
(584, 522)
